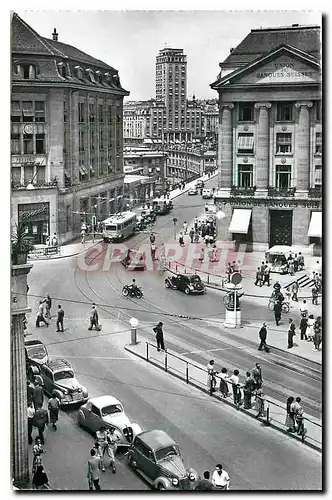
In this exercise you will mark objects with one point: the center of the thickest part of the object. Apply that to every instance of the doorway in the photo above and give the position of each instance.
(281, 227)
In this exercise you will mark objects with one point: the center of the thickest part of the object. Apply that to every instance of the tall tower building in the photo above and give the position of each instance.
(171, 89)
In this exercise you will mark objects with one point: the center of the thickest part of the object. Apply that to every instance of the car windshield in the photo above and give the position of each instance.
(169, 451)
(277, 259)
(111, 409)
(195, 279)
(36, 351)
(63, 375)
(110, 227)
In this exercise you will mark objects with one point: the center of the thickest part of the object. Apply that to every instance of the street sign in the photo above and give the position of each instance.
(236, 278)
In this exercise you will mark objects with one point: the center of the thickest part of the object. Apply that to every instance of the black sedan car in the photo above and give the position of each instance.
(187, 283)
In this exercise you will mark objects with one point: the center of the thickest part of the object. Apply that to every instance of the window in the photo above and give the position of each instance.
(284, 111)
(284, 143)
(27, 108)
(283, 176)
(79, 72)
(100, 113)
(39, 111)
(245, 143)
(15, 144)
(28, 174)
(16, 175)
(91, 112)
(81, 140)
(40, 175)
(245, 176)
(16, 111)
(318, 176)
(27, 71)
(81, 112)
(28, 144)
(101, 139)
(246, 112)
(318, 148)
(40, 143)
(109, 114)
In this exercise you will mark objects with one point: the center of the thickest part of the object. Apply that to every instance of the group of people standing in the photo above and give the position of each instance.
(242, 392)
(41, 315)
(263, 274)
(294, 416)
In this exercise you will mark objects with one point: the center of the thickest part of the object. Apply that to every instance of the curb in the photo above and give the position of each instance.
(229, 403)
(65, 256)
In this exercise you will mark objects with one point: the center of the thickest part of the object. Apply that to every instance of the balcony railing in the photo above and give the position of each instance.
(315, 192)
(243, 191)
(284, 192)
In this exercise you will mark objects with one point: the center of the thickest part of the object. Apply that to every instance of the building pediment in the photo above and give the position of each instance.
(282, 66)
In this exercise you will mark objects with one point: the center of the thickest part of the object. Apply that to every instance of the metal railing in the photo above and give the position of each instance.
(270, 412)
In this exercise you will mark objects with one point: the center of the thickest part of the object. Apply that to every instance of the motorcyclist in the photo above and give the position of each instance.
(133, 287)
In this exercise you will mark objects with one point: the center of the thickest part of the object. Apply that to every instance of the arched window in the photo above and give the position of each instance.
(26, 71)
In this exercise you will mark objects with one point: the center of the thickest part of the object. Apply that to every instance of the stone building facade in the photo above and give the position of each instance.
(66, 136)
(270, 139)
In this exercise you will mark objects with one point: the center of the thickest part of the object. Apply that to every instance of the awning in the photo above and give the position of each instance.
(315, 226)
(240, 221)
(245, 142)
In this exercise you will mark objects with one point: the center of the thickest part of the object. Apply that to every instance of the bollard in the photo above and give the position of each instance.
(147, 351)
(133, 336)
(208, 278)
(165, 360)
(187, 373)
(267, 414)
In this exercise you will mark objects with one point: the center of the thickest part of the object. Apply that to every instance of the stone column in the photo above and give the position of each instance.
(225, 153)
(303, 145)
(19, 422)
(262, 145)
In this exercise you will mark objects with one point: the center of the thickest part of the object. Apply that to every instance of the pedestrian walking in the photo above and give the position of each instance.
(152, 238)
(181, 241)
(93, 470)
(277, 311)
(196, 223)
(263, 335)
(153, 251)
(41, 420)
(40, 315)
(310, 328)
(53, 408)
(234, 380)
(102, 440)
(291, 267)
(290, 418)
(257, 375)
(220, 478)
(40, 479)
(304, 309)
(211, 376)
(112, 441)
(31, 414)
(48, 305)
(258, 281)
(205, 484)
(317, 333)
(303, 328)
(185, 227)
(59, 321)
(38, 394)
(299, 416)
(37, 450)
(158, 329)
(83, 234)
(248, 390)
(296, 263)
(207, 239)
(300, 265)
(259, 403)
(314, 292)
(196, 237)
(223, 385)
(295, 291)
(94, 319)
(192, 234)
(291, 333)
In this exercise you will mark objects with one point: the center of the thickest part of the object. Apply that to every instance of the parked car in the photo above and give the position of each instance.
(35, 353)
(192, 191)
(207, 193)
(187, 283)
(156, 457)
(134, 261)
(277, 257)
(59, 379)
(199, 184)
(108, 411)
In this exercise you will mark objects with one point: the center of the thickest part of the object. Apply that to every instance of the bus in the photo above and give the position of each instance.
(119, 226)
(161, 206)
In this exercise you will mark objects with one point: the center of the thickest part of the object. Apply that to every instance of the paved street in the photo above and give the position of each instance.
(154, 399)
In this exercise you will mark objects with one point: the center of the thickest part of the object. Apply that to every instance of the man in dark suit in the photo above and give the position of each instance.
(262, 335)
(59, 321)
(159, 336)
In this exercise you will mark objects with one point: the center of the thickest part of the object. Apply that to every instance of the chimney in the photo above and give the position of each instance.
(55, 35)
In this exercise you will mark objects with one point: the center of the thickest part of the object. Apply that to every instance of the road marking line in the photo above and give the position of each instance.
(92, 357)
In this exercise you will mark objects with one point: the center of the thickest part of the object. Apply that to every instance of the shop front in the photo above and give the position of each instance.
(36, 219)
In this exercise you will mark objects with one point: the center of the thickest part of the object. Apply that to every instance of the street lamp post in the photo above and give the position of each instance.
(133, 324)
(174, 230)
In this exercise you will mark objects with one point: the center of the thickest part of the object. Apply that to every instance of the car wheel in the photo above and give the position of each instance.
(187, 291)
(80, 418)
(131, 462)
(161, 487)
(167, 284)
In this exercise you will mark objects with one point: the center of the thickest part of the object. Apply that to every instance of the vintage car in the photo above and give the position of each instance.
(187, 283)
(134, 261)
(59, 379)
(107, 411)
(35, 353)
(149, 215)
(199, 184)
(277, 257)
(207, 193)
(192, 191)
(157, 458)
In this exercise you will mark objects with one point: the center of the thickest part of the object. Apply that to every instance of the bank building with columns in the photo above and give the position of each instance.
(270, 139)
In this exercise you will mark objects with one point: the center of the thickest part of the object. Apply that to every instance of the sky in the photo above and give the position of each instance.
(130, 40)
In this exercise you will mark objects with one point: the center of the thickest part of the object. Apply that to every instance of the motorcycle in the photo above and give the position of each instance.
(128, 291)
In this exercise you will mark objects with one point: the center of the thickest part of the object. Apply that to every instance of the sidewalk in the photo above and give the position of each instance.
(195, 375)
(75, 248)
